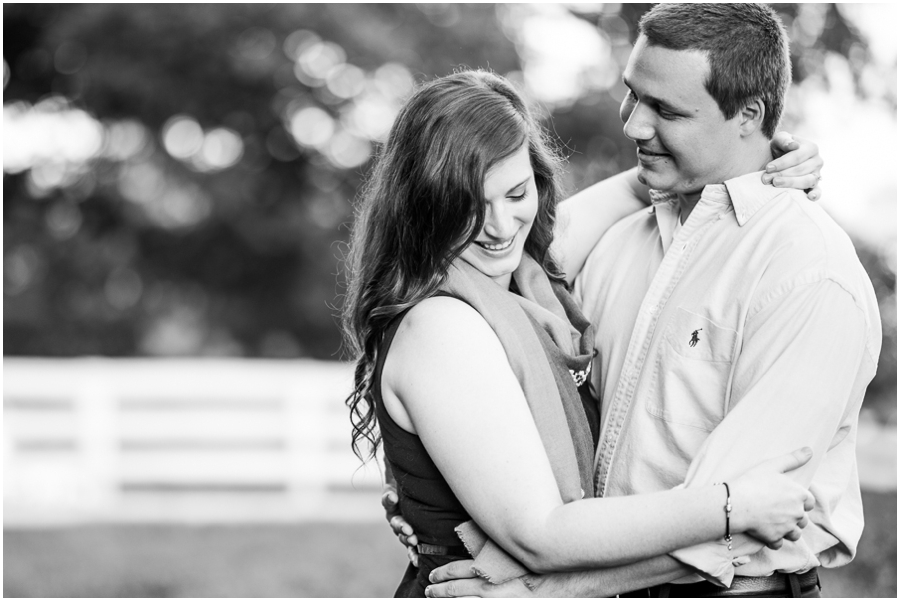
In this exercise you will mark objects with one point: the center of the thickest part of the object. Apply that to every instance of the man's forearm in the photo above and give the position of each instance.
(608, 582)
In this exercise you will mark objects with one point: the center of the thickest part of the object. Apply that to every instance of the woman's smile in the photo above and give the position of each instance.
(497, 248)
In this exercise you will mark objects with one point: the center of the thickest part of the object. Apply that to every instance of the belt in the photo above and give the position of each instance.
(455, 551)
(794, 585)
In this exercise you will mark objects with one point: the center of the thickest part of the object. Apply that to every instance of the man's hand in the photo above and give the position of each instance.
(391, 503)
(797, 164)
(457, 580)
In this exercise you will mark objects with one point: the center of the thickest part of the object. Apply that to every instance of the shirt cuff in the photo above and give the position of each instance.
(712, 560)
(491, 562)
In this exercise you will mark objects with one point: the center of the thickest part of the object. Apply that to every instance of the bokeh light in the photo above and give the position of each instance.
(316, 60)
(221, 149)
(346, 81)
(125, 139)
(49, 132)
(564, 57)
(182, 137)
(312, 127)
(346, 150)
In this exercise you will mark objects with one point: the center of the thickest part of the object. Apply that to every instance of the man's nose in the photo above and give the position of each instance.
(639, 123)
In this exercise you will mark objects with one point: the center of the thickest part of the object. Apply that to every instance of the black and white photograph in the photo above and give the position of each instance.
(450, 300)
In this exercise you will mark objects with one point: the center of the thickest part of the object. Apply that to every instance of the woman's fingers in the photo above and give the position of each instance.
(796, 150)
(814, 193)
(782, 142)
(793, 535)
(809, 502)
(776, 545)
(803, 523)
(787, 462)
(799, 182)
(807, 167)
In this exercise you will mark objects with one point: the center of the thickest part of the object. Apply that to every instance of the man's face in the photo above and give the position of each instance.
(684, 141)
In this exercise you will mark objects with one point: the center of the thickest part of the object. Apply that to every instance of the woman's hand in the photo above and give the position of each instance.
(797, 164)
(391, 503)
(770, 506)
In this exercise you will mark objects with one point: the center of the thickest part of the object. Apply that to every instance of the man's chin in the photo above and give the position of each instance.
(653, 180)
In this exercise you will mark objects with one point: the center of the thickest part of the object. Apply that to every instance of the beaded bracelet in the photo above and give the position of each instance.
(727, 515)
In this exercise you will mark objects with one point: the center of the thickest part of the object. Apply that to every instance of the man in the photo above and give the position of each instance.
(733, 320)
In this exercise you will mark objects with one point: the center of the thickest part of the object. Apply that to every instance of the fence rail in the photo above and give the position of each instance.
(180, 440)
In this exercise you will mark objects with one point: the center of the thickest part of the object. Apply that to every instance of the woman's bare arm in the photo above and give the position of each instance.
(448, 380)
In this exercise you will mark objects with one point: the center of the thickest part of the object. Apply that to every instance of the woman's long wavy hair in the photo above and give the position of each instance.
(423, 204)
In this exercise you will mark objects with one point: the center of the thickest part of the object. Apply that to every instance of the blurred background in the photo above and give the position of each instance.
(178, 187)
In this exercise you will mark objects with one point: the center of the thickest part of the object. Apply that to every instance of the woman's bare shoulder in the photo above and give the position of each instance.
(441, 320)
(442, 333)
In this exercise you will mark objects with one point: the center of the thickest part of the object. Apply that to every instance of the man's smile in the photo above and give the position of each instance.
(649, 153)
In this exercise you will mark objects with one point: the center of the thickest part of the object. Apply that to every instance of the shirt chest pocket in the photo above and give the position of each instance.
(693, 369)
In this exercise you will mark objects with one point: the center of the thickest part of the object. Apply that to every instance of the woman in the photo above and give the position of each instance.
(473, 358)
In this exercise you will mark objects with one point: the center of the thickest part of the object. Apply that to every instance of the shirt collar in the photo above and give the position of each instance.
(746, 193)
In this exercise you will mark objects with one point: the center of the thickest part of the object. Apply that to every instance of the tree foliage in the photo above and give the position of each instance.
(144, 253)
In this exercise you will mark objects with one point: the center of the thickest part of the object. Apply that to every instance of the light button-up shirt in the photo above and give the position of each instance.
(750, 331)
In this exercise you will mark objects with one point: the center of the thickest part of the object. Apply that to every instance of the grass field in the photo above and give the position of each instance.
(308, 560)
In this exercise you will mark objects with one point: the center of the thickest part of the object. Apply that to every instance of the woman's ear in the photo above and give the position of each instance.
(751, 117)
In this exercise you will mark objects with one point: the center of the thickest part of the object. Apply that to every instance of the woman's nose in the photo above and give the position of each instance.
(499, 221)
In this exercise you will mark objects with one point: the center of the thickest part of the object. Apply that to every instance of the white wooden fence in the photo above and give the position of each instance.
(196, 440)
(209, 440)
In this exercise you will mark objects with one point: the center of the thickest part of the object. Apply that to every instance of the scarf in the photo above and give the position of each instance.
(539, 325)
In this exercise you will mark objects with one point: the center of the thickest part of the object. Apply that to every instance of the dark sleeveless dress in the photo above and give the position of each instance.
(426, 500)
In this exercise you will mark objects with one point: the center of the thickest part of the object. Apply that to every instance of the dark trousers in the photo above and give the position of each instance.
(777, 585)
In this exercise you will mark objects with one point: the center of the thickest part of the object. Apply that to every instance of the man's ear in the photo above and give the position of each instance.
(751, 117)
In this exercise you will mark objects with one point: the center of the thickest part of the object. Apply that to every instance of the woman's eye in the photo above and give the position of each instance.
(519, 197)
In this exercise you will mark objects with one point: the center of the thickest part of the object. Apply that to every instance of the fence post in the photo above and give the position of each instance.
(95, 401)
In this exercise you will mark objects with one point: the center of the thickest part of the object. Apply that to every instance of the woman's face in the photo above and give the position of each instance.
(512, 203)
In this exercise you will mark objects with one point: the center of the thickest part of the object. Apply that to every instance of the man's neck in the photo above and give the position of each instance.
(755, 161)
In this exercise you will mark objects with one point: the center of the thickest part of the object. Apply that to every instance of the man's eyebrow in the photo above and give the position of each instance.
(519, 185)
(653, 99)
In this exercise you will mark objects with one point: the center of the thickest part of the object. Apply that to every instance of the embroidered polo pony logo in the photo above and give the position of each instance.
(695, 338)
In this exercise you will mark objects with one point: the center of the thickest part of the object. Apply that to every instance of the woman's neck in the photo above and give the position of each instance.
(503, 280)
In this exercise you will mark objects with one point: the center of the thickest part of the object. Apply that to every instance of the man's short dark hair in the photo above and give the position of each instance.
(746, 45)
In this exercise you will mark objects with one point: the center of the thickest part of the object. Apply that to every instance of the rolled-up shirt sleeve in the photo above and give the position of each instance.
(798, 381)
